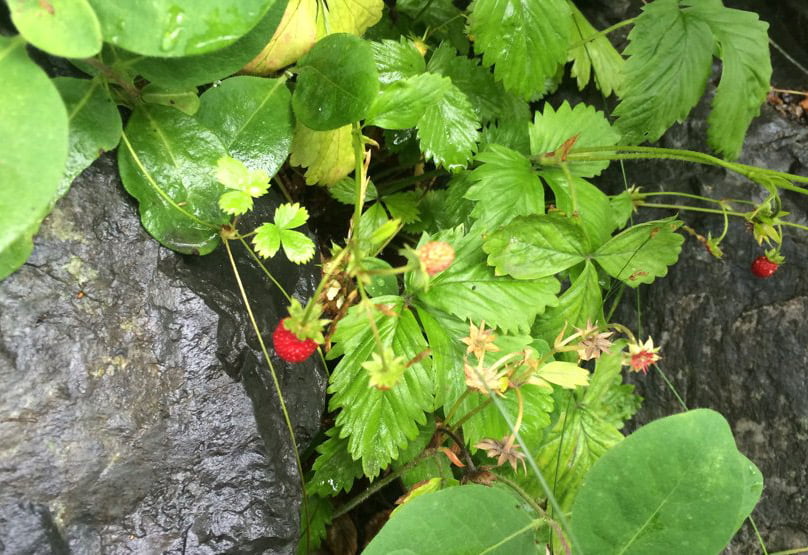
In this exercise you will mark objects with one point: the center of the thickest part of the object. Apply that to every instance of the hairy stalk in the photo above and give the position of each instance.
(275, 381)
(604, 32)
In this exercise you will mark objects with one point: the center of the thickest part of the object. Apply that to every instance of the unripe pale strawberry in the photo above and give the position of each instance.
(436, 256)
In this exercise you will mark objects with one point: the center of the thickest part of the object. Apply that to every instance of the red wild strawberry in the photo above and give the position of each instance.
(763, 268)
(289, 346)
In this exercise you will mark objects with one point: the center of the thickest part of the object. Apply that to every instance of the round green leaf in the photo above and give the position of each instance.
(95, 124)
(33, 132)
(253, 118)
(676, 485)
(191, 71)
(67, 28)
(171, 28)
(337, 82)
(463, 519)
(168, 163)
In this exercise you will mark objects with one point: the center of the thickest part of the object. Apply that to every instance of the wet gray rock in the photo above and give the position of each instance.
(731, 341)
(136, 415)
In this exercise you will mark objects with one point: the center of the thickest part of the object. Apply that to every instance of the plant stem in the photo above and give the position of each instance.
(604, 32)
(692, 209)
(275, 381)
(398, 184)
(760, 538)
(670, 386)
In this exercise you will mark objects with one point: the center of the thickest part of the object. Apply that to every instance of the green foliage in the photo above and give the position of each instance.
(491, 522)
(67, 28)
(401, 104)
(448, 131)
(396, 61)
(334, 469)
(34, 134)
(269, 237)
(337, 83)
(580, 303)
(593, 52)
(678, 482)
(186, 101)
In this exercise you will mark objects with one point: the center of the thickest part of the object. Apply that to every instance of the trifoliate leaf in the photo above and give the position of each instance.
(593, 53)
(449, 130)
(746, 73)
(642, 253)
(401, 104)
(660, 89)
(290, 216)
(378, 424)
(233, 174)
(235, 203)
(334, 469)
(347, 16)
(297, 247)
(505, 186)
(533, 247)
(470, 290)
(396, 60)
(565, 374)
(552, 128)
(525, 41)
(267, 240)
(327, 155)
(403, 206)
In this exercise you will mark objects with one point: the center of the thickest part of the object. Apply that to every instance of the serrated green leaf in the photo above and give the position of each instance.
(34, 134)
(403, 206)
(580, 303)
(448, 131)
(66, 28)
(595, 53)
(641, 253)
(185, 101)
(347, 16)
(526, 42)
(402, 104)
(470, 290)
(290, 216)
(505, 186)
(267, 240)
(592, 209)
(745, 76)
(440, 17)
(344, 191)
(397, 60)
(168, 163)
(380, 284)
(444, 333)
(191, 71)
(552, 128)
(170, 28)
(491, 522)
(253, 117)
(297, 247)
(94, 122)
(321, 512)
(660, 89)
(235, 203)
(336, 84)
(233, 174)
(533, 247)
(446, 208)
(380, 423)
(334, 468)
(622, 207)
(327, 155)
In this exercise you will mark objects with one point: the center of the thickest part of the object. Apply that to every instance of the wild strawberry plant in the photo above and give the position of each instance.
(468, 304)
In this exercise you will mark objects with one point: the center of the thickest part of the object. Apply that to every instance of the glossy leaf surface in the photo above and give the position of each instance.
(67, 28)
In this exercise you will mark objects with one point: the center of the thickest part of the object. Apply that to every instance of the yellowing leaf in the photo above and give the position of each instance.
(348, 16)
(295, 35)
(327, 155)
(566, 374)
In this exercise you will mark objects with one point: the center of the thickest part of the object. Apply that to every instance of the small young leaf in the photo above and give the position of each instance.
(327, 155)
(505, 186)
(290, 216)
(253, 117)
(551, 129)
(526, 42)
(594, 51)
(533, 247)
(66, 28)
(235, 203)
(267, 240)
(448, 131)
(396, 61)
(401, 104)
(565, 374)
(641, 253)
(660, 89)
(185, 101)
(344, 191)
(403, 206)
(337, 82)
(297, 247)
(233, 174)
(440, 17)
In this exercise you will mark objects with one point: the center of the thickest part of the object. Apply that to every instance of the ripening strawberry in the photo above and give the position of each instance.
(289, 346)
(436, 256)
(763, 267)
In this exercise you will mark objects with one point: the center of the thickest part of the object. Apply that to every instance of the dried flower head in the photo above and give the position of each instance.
(480, 340)
(593, 343)
(641, 355)
(504, 450)
(486, 379)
